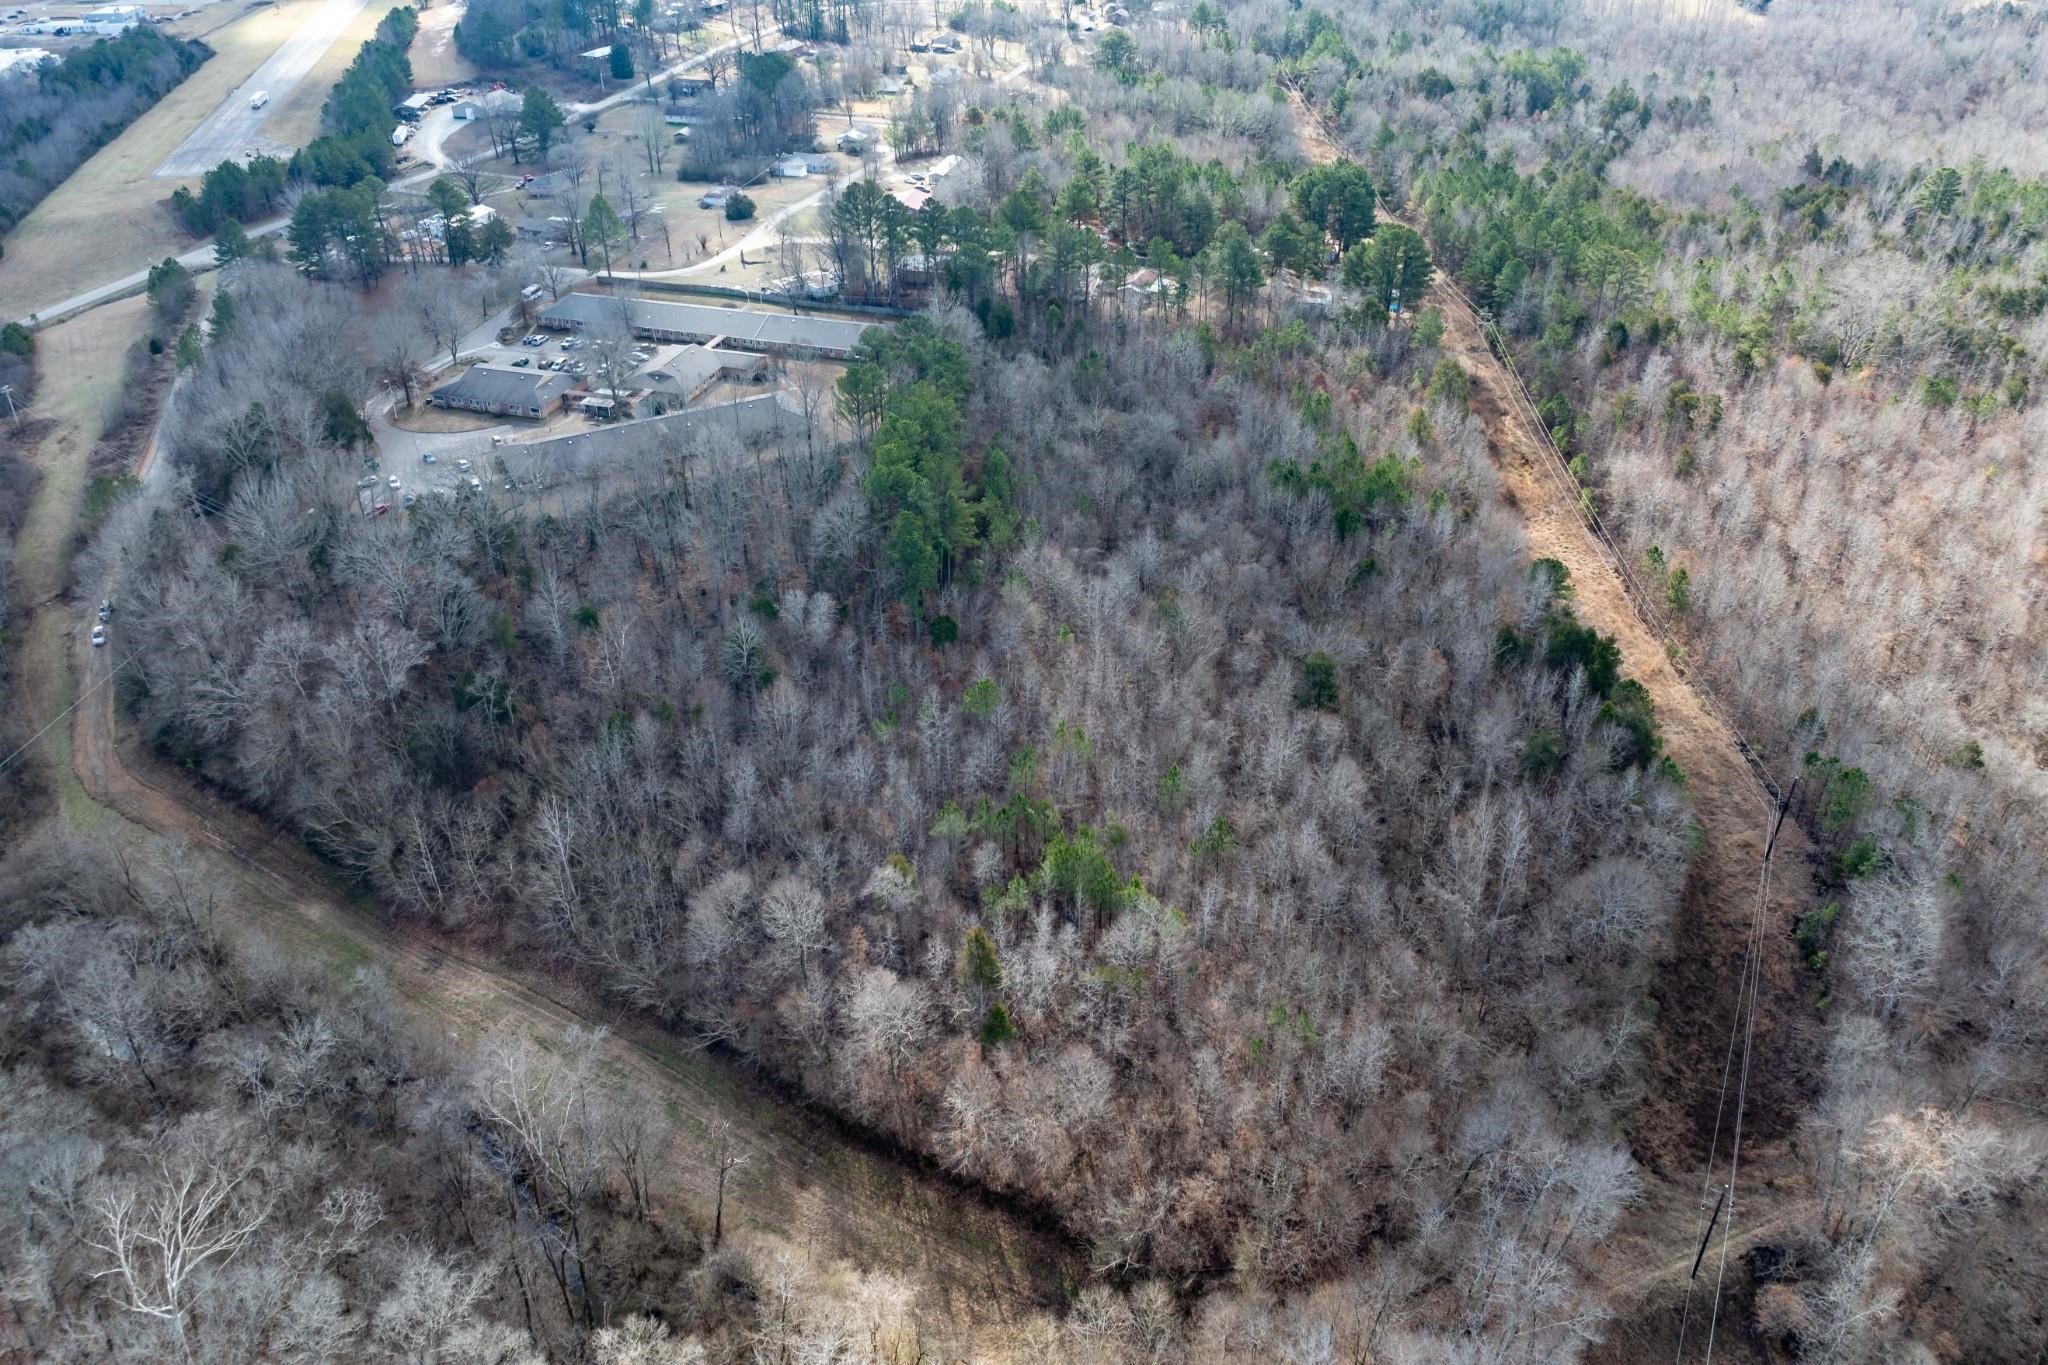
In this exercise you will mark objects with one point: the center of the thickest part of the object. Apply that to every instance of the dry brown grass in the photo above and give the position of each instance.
(435, 62)
(112, 217)
(295, 119)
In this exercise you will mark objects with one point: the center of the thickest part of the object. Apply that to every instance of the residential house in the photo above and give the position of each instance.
(791, 168)
(481, 106)
(919, 271)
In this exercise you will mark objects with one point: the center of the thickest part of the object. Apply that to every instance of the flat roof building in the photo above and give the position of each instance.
(742, 329)
(677, 436)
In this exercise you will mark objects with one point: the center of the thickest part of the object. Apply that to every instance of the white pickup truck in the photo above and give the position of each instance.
(259, 99)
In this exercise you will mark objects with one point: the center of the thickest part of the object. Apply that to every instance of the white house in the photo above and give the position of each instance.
(23, 61)
(791, 168)
(112, 19)
(492, 102)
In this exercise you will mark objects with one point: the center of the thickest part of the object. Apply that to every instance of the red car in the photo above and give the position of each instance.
(380, 509)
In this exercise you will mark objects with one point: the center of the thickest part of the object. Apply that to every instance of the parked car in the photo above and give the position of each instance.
(462, 465)
(534, 340)
(522, 362)
(408, 500)
(393, 481)
(99, 636)
(429, 457)
(380, 509)
(476, 485)
(367, 481)
(106, 610)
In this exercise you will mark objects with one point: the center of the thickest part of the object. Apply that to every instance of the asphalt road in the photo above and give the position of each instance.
(231, 128)
(198, 258)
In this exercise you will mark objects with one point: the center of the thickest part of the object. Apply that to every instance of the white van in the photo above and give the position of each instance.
(259, 99)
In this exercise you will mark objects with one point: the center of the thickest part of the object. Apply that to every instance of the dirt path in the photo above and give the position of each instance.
(1697, 986)
(1696, 991)
(974, 1265)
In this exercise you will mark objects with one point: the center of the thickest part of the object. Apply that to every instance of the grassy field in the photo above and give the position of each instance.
(435, 62)
(112, 217)
(295, 119)
(81, 362)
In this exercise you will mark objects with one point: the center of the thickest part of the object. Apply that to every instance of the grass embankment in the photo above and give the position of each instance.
(111, 216)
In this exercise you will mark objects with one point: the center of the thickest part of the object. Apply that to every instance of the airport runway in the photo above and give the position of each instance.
(231, 128)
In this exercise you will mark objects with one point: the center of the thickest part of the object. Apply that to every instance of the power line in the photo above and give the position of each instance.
(1751, 947)
(1522, 408)
(1742, 1021)
(1755, 989)
(79, 700)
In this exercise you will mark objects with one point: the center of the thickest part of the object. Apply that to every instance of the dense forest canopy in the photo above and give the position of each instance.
(51, 121)
(1115, 743)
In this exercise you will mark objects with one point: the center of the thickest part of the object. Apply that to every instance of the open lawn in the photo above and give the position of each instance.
(436, 421)
(112, 217)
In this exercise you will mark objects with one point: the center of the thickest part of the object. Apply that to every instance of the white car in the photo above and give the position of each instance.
(462, 465)
(99, 636)
(393, 481)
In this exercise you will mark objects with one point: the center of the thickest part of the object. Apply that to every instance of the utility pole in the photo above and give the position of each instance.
(12, 415)
(1718, 1202)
